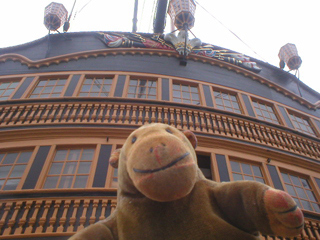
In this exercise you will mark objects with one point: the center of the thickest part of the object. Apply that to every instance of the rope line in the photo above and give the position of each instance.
(229, 30)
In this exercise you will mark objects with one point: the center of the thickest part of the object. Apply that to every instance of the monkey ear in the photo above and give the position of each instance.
(114, 158)
(191, 137)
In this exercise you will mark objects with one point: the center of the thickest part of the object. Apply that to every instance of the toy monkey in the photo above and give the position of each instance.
(163, 195)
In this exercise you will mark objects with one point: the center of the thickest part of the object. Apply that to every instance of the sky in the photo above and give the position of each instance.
(263, 26)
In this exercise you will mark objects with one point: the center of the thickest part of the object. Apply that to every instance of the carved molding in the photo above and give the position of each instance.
(158, 52)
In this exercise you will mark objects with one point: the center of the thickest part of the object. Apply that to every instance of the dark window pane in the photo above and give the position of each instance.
(74, 154)
(260, 180)
(10, 158)
(94, 94)
(47, 90)
(311, 196)
(11, 184)
(306, 205)
(285, 177)
(1, 184)
(84, 167)
(316, 207)
(246, 168)
(80, 182)
(87, 154)
(51, 182)
(237, 177)
(176, 87)
(95, 88)
(70, 168)
(305, 184)
(291, 190)
(62, 82)
(61, 155)
(1, 157)
(295, 180)
(248, 178)
(17, 171)
(257, 171)
(235, 166)
(66, 182)
(52, 82)
(186, 95)
(85, 88)
(4, 170)
(58, 89)
(42, 83)
(24, 157)
(56, 168)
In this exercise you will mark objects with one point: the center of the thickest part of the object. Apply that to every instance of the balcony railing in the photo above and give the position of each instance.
(199, 120)
(31, 218)
(60, 216)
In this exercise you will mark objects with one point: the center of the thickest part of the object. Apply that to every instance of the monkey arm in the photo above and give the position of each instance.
(102, 230)
(253, 207)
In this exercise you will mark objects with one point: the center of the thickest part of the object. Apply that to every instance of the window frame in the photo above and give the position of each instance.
(310, 181)
(50, 158)
(11, 80)
(84, 77)
(24, 175)
(229, 92)
(38, 79)
(190, 84)
(212, 166)
(260, 165)
(146, 78)
(269, 104)
(304, 117)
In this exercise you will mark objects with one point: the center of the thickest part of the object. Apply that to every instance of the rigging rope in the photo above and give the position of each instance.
(144, 2)
(152, 15)
(229, 30)
(81, 9)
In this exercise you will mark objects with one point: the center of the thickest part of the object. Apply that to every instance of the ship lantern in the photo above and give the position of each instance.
(288, 54)
(55, 15)
(182, 13)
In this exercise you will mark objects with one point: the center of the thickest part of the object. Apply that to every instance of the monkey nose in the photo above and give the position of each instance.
(159, 145)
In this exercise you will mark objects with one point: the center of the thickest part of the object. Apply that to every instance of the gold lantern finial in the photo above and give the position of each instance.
(182, 13)
(288, 54)
(55, 15)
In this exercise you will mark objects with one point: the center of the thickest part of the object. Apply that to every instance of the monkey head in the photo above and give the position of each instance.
(158, 161)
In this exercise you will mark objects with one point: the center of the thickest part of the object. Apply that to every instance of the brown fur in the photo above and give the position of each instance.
(162, 194)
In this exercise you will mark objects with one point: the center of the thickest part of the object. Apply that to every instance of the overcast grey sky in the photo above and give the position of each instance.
(264, 25)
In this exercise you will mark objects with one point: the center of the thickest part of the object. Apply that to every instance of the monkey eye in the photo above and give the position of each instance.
(169, 131)
(134, 139)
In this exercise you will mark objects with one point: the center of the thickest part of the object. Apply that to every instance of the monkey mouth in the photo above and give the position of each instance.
(162, 168)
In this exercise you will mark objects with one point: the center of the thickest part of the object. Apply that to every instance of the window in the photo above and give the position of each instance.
(96, 87)
(226, 101)
(12, 168)
(49, 88)
(204, 163)
(6, 89)
(265, 112)
(70, 168)
(114, 182)
(300, 190)
(185, 93)
(245, 171)
(142, 88)
(301, 124)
